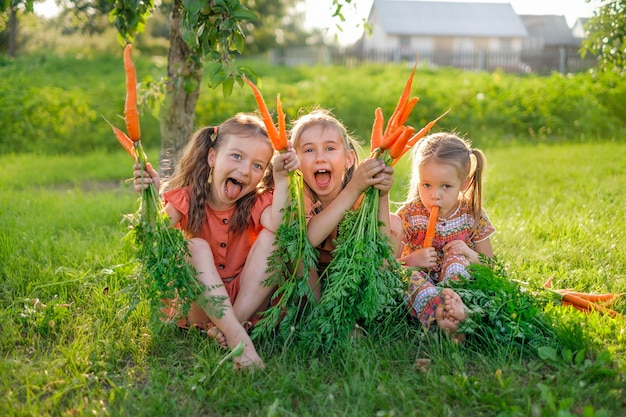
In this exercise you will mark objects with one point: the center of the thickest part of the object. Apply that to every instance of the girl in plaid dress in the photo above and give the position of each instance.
(446, 172)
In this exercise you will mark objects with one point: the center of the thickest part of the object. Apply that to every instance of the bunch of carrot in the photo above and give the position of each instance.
(294, 256)
(585, 302)
(161, 249)
(396, 139)
(391, 142)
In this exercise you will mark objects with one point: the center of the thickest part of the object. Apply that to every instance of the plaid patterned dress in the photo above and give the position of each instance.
(423, 294)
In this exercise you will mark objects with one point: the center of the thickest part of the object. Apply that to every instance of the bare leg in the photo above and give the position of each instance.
(227, 323)
(315, 285)
(253, 295)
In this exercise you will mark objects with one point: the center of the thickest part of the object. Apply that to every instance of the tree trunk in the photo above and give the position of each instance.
(178, 112)
(12, 31)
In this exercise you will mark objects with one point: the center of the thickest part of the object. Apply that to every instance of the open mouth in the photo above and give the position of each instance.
(233, 188)
(322, 178)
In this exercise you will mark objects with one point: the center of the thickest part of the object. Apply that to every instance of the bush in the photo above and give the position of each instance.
(54, 104)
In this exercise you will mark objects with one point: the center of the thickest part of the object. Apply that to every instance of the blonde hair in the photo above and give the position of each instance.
(447, 148)
(193, 170)
(325, 119)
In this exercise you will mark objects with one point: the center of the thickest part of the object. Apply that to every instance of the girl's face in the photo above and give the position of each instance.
(238, 167)
(440, 185)
(323, 160)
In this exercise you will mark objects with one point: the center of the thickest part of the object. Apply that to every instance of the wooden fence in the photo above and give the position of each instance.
(545, 61)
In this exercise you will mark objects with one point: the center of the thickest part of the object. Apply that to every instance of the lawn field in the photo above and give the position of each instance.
(68, 348)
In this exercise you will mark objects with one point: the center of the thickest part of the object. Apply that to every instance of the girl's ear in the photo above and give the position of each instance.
(350, 158)
(211, 158)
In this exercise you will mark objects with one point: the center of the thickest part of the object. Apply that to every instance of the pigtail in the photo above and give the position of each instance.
(475, 189)
(199, 181)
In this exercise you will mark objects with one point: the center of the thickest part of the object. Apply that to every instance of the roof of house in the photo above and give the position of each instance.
(578, 29)
(437, 18)
(552, 28)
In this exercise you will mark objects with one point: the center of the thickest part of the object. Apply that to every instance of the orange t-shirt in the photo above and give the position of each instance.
(229, 249)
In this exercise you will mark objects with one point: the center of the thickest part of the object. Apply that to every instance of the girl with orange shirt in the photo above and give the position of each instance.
(222, 197)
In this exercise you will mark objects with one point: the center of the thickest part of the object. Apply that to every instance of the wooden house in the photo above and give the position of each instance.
(467, 35)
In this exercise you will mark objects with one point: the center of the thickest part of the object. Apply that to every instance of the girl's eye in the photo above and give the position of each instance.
(236, 156)
(426, 185)
(258, 166)
(308, 150)
(330, 148)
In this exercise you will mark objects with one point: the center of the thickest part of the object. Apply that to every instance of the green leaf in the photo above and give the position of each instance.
(227, 86)
(547, 353)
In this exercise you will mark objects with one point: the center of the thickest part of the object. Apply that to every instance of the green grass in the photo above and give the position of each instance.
(559, 211)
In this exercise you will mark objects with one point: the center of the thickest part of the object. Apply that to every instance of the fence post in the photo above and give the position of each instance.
(562, 60)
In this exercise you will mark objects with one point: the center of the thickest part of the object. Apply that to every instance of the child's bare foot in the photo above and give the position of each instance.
(215, 333)
(249, 358)
(454, 308)
(450, 314)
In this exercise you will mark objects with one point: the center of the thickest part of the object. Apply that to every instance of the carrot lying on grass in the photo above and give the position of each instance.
(131, 114)
(432, 223)
(582, 301)
(586, 305)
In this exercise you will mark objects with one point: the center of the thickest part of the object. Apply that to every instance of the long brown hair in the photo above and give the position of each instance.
(450, 149)
(193, 170)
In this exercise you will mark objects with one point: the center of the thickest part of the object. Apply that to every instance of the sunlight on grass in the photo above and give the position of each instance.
(68, 348)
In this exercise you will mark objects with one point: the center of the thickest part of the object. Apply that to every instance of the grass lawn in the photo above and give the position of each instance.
(68, 348)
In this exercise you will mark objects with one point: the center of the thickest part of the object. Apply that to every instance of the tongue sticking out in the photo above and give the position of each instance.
(232, 189)
(322, 178)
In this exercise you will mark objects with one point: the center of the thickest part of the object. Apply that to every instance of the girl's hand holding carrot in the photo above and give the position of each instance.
(143, 178)
(367, 174)
(385, 183)
(422, 258)
(285, 162)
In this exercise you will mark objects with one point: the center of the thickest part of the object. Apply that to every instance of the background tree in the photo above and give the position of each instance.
(199, 31)
(205, 37)
(11, 21)
(606, 36)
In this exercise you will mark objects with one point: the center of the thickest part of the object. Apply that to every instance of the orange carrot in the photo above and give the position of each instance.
(413, 139)
(577, 301)
(272, 132)
(548, 282)
(407, 111)
(390, 137)
(282, 129)
(594, 298)
(377, 129)
(131, 115)
(402, 103)
(124, 140)
(577, 307)
(425, 130)
(397, 147)
(432, 222)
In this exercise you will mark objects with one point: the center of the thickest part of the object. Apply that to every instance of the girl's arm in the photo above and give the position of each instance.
(459, 247)
(143, 179)
(383, 187)
(322, 224)
(283, 163)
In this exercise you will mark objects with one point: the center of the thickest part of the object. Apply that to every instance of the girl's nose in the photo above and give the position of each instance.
(244, 169)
